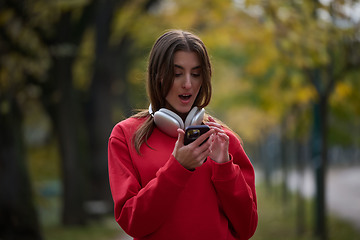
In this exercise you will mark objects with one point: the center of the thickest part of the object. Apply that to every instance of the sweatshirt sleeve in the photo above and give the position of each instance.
(141, 210)
(234, 182)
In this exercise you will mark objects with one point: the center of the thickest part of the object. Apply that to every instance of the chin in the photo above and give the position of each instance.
(184, 110)
(180, 109)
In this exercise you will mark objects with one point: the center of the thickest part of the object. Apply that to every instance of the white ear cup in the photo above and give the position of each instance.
(195, 117)
(168, 121)
(190, 116)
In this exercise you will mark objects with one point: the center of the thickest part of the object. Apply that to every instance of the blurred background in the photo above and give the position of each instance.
(286, 79)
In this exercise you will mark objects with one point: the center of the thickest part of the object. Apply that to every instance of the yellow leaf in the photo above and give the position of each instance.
(342, 90)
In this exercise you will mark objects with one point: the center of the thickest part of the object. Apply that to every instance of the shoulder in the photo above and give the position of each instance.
(127, 127)
(235, 140)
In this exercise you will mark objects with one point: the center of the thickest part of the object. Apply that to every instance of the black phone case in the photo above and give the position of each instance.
(193, 132)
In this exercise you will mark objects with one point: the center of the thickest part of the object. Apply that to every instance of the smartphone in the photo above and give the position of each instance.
(193, 132)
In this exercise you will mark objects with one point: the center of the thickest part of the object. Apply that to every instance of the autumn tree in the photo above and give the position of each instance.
(18, 214)
(318, 39)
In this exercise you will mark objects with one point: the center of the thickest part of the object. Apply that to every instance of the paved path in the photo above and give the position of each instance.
(343, 191)
(123, 236)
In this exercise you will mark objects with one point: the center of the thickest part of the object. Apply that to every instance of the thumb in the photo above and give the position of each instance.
(181, 135)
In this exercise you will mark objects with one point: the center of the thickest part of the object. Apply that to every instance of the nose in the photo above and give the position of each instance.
(187, 81)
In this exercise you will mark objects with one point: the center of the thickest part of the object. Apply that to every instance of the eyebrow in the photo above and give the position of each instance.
(178, 66)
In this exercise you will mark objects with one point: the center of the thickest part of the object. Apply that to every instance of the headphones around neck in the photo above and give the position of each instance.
(168, 121)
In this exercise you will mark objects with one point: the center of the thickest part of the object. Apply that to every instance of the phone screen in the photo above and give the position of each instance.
(193, 132)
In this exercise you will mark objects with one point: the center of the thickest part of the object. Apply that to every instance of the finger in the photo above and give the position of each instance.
(181, 136)
(206, 146)
(204, 160)
(213, 124)
(211, 119)
(224, 136)
(217, 129)
(203, 137)
(203, 156)
(212, 138)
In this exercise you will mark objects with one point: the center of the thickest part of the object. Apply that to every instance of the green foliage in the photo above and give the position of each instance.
(345, 116)
(83, 66)
(259, 52)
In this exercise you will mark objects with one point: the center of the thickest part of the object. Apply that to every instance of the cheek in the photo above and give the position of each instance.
(171, 92)
(198, 85)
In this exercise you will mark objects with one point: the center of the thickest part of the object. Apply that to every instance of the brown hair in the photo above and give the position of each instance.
(161, 76)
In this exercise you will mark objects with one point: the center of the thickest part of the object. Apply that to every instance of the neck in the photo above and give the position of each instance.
(181, 115)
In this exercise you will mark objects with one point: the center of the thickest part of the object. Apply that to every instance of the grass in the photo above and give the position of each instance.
(105, 229)
(279, 220)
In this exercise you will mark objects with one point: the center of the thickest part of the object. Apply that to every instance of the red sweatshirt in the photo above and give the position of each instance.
(155, 197)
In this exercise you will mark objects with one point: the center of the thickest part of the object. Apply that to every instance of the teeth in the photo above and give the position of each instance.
(185, 96)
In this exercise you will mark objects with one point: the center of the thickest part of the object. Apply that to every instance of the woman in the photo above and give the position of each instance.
(163, 189)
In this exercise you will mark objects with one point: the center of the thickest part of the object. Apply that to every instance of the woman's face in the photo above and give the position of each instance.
(187, 82)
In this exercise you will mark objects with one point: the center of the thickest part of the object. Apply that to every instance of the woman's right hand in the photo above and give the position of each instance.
(192, 155)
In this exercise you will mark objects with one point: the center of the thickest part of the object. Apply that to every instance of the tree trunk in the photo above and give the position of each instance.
(70, 135)
(319, 146)
(99, 105)
(300, 202)
(320, 160)
(64, 107)
(284, 160)
(18, 216)
(112, 64)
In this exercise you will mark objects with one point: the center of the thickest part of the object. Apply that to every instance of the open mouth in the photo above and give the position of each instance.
(185, 97)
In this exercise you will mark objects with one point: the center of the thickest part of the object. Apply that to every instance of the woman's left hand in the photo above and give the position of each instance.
(219, 143)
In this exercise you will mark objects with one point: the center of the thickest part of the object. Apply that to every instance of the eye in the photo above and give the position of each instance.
(195, 74)
(178, 74)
